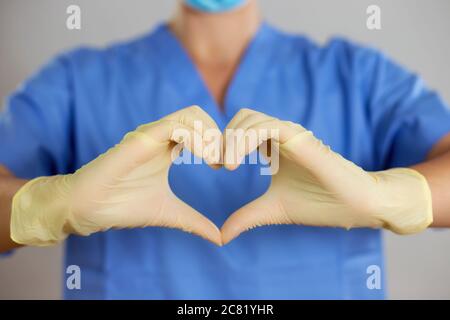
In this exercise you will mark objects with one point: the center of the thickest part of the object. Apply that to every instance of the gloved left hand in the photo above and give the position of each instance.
(315, 186)
(126, 187)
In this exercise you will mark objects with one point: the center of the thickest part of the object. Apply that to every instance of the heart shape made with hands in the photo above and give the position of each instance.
(248, 131)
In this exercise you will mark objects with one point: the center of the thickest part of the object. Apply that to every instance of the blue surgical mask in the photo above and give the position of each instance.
(215, 6)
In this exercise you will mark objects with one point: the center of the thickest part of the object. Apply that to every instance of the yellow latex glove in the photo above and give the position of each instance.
(126, 187)
(315, 186)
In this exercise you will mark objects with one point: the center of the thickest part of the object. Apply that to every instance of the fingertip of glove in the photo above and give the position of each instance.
(228, 234)
(231, 166)
(217, 241)
(227, 240)
(215, 166)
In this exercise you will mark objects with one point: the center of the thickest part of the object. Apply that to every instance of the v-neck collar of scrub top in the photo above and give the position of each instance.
(243, 85)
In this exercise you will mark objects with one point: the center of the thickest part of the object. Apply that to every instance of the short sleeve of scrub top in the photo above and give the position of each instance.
(407, 118)
(35, 138)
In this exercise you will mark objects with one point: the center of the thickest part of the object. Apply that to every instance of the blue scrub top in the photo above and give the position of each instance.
(355, 99)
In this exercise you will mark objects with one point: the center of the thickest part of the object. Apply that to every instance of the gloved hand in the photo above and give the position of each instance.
(315, 186)
(126, 187)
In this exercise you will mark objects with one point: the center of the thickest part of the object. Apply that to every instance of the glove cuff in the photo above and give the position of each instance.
(40, 211)
(408, 204)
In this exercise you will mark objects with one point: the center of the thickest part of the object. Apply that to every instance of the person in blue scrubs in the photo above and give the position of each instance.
(361, 103)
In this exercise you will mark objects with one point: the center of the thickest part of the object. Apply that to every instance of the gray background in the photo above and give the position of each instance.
(414, 32)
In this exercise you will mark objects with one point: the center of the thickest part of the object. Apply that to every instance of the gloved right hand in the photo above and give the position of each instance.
(316, 186)
(126, 187)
